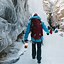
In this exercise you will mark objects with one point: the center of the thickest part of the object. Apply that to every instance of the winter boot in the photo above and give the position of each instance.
(39, 61)
(33, 57)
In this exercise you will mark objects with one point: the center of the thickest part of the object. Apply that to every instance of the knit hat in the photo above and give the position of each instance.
(35, 14)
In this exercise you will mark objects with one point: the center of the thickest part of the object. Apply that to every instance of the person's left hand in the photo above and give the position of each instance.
(26, 45)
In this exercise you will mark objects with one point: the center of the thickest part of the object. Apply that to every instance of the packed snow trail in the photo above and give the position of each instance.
(52, 51)
(53, 48)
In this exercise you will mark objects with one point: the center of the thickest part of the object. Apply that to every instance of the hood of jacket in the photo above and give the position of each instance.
(35, 17)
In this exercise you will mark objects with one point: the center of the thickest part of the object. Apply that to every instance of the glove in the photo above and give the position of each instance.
(26, 45)
(26, 40)
(47, 33)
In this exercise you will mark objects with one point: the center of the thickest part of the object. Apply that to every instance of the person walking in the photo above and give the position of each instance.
(35, 26)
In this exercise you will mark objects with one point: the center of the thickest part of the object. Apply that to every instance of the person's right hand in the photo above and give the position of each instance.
(26, 45)
(47, 33)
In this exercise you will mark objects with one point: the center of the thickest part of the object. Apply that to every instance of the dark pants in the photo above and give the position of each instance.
(38, 53)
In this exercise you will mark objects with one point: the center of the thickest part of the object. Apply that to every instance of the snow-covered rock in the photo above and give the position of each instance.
(14, 16)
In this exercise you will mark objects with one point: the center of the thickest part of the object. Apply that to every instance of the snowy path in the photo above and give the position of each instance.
(52, 51)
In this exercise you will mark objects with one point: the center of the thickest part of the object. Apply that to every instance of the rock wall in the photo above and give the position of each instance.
(14, 16)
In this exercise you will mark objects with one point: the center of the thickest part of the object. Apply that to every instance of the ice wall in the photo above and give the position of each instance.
(14, 15)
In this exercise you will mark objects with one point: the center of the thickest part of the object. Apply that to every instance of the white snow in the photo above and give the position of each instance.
(53, 49)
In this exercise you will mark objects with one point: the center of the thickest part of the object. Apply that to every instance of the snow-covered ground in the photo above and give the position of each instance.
(52, 51)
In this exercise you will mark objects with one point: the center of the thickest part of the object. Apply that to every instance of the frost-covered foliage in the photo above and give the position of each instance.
(14, 15)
